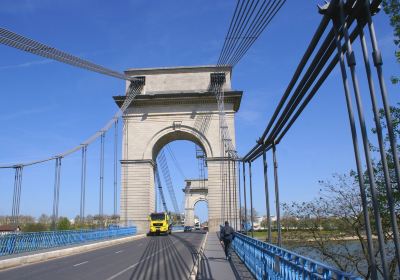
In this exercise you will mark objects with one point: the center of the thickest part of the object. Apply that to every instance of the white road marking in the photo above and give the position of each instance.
(78, 264)
(119, 251)
(132, 266)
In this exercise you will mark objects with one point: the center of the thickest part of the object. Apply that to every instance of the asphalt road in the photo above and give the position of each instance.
(155, 257)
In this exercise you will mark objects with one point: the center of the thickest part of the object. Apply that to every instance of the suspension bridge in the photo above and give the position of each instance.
(198, 104)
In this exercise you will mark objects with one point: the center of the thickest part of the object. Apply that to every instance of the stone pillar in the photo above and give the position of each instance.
(137, 193)
(189, 216)
(217, 214)
(214, 194)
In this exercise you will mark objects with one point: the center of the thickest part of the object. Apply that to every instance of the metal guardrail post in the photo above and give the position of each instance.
(234, 185)
(83, 184)
(101, 187)
(277, 205)
(115, 165)
(229, 190)
(17, 194)
(240, 200)
(245, 198)
(251, 201)
(56, 194)
(269, 237)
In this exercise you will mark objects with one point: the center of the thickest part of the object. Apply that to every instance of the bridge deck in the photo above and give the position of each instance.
(157, 257)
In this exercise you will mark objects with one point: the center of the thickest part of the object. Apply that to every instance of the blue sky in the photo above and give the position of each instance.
(48, 107)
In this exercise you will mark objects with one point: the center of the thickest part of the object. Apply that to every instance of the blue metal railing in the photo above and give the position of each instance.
(267, 261)
(31, 241)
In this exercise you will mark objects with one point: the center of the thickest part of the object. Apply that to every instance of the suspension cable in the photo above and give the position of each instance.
(15, 40)
(17, 194)
(56, 194)
(101, 188)
(115, 165)
(162, 160)
(83, 184)
(175, 161)
(134, 89)
(247, 24)
(160, 190)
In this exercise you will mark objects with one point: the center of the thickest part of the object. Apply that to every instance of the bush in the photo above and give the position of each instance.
(35, 227)
(63, 224)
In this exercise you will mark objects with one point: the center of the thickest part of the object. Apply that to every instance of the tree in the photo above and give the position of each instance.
(35, 227)
(264, 223)
(44, 219)
(337, 214)
(392, 9)
(248, 216)
(338, 207)
(63, 224)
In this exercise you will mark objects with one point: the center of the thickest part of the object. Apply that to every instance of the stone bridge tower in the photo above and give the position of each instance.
(176, 105)
(195, 190)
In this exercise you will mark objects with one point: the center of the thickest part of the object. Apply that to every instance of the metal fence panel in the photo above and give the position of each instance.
(267, 261)
(15, 243)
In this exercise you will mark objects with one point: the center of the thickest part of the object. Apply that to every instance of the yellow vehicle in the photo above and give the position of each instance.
(160, 223)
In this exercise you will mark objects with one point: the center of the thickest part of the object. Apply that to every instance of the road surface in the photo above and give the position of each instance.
(155, 257)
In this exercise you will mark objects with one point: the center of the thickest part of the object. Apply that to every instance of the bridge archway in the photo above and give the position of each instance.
(170, 134)
(195, 191)
(201, 211)
(176, 105)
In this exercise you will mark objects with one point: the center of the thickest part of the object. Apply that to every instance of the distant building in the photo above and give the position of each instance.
(7, 229)
(258, 222)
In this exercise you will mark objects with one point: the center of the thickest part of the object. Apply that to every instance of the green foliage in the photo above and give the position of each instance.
(35, 227)
(392, 9)
(63, 224)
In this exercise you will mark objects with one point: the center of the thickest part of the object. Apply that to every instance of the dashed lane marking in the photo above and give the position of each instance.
(78, 264)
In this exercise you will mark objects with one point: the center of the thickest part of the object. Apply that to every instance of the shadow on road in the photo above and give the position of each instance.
(168, 257)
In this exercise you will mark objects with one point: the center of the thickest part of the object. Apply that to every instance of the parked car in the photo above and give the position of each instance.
(187, 229)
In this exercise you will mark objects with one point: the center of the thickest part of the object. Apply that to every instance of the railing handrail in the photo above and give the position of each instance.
(19, 242)
(295, 259)
(322, 265)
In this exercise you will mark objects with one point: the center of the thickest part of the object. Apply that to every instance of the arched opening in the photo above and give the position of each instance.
(180, 174)
(176, 133)
(201, 213)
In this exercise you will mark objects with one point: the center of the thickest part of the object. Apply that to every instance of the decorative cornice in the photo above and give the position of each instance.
(138, 161)
(219, 159)
(233, 97)
(178, 69)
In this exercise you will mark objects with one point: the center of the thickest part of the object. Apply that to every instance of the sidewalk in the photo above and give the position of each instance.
(213, 264)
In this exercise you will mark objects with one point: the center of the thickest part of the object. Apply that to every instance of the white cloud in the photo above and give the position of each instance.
(24, 113)
(25, 64)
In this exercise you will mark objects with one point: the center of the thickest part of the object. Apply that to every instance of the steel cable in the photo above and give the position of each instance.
(15, 40)
(133, 90)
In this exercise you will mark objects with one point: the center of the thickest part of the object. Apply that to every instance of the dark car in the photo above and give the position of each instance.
(187, 229)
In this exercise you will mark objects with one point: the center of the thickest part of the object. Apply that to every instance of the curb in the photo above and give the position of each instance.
(195, 269)
(40, 257)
